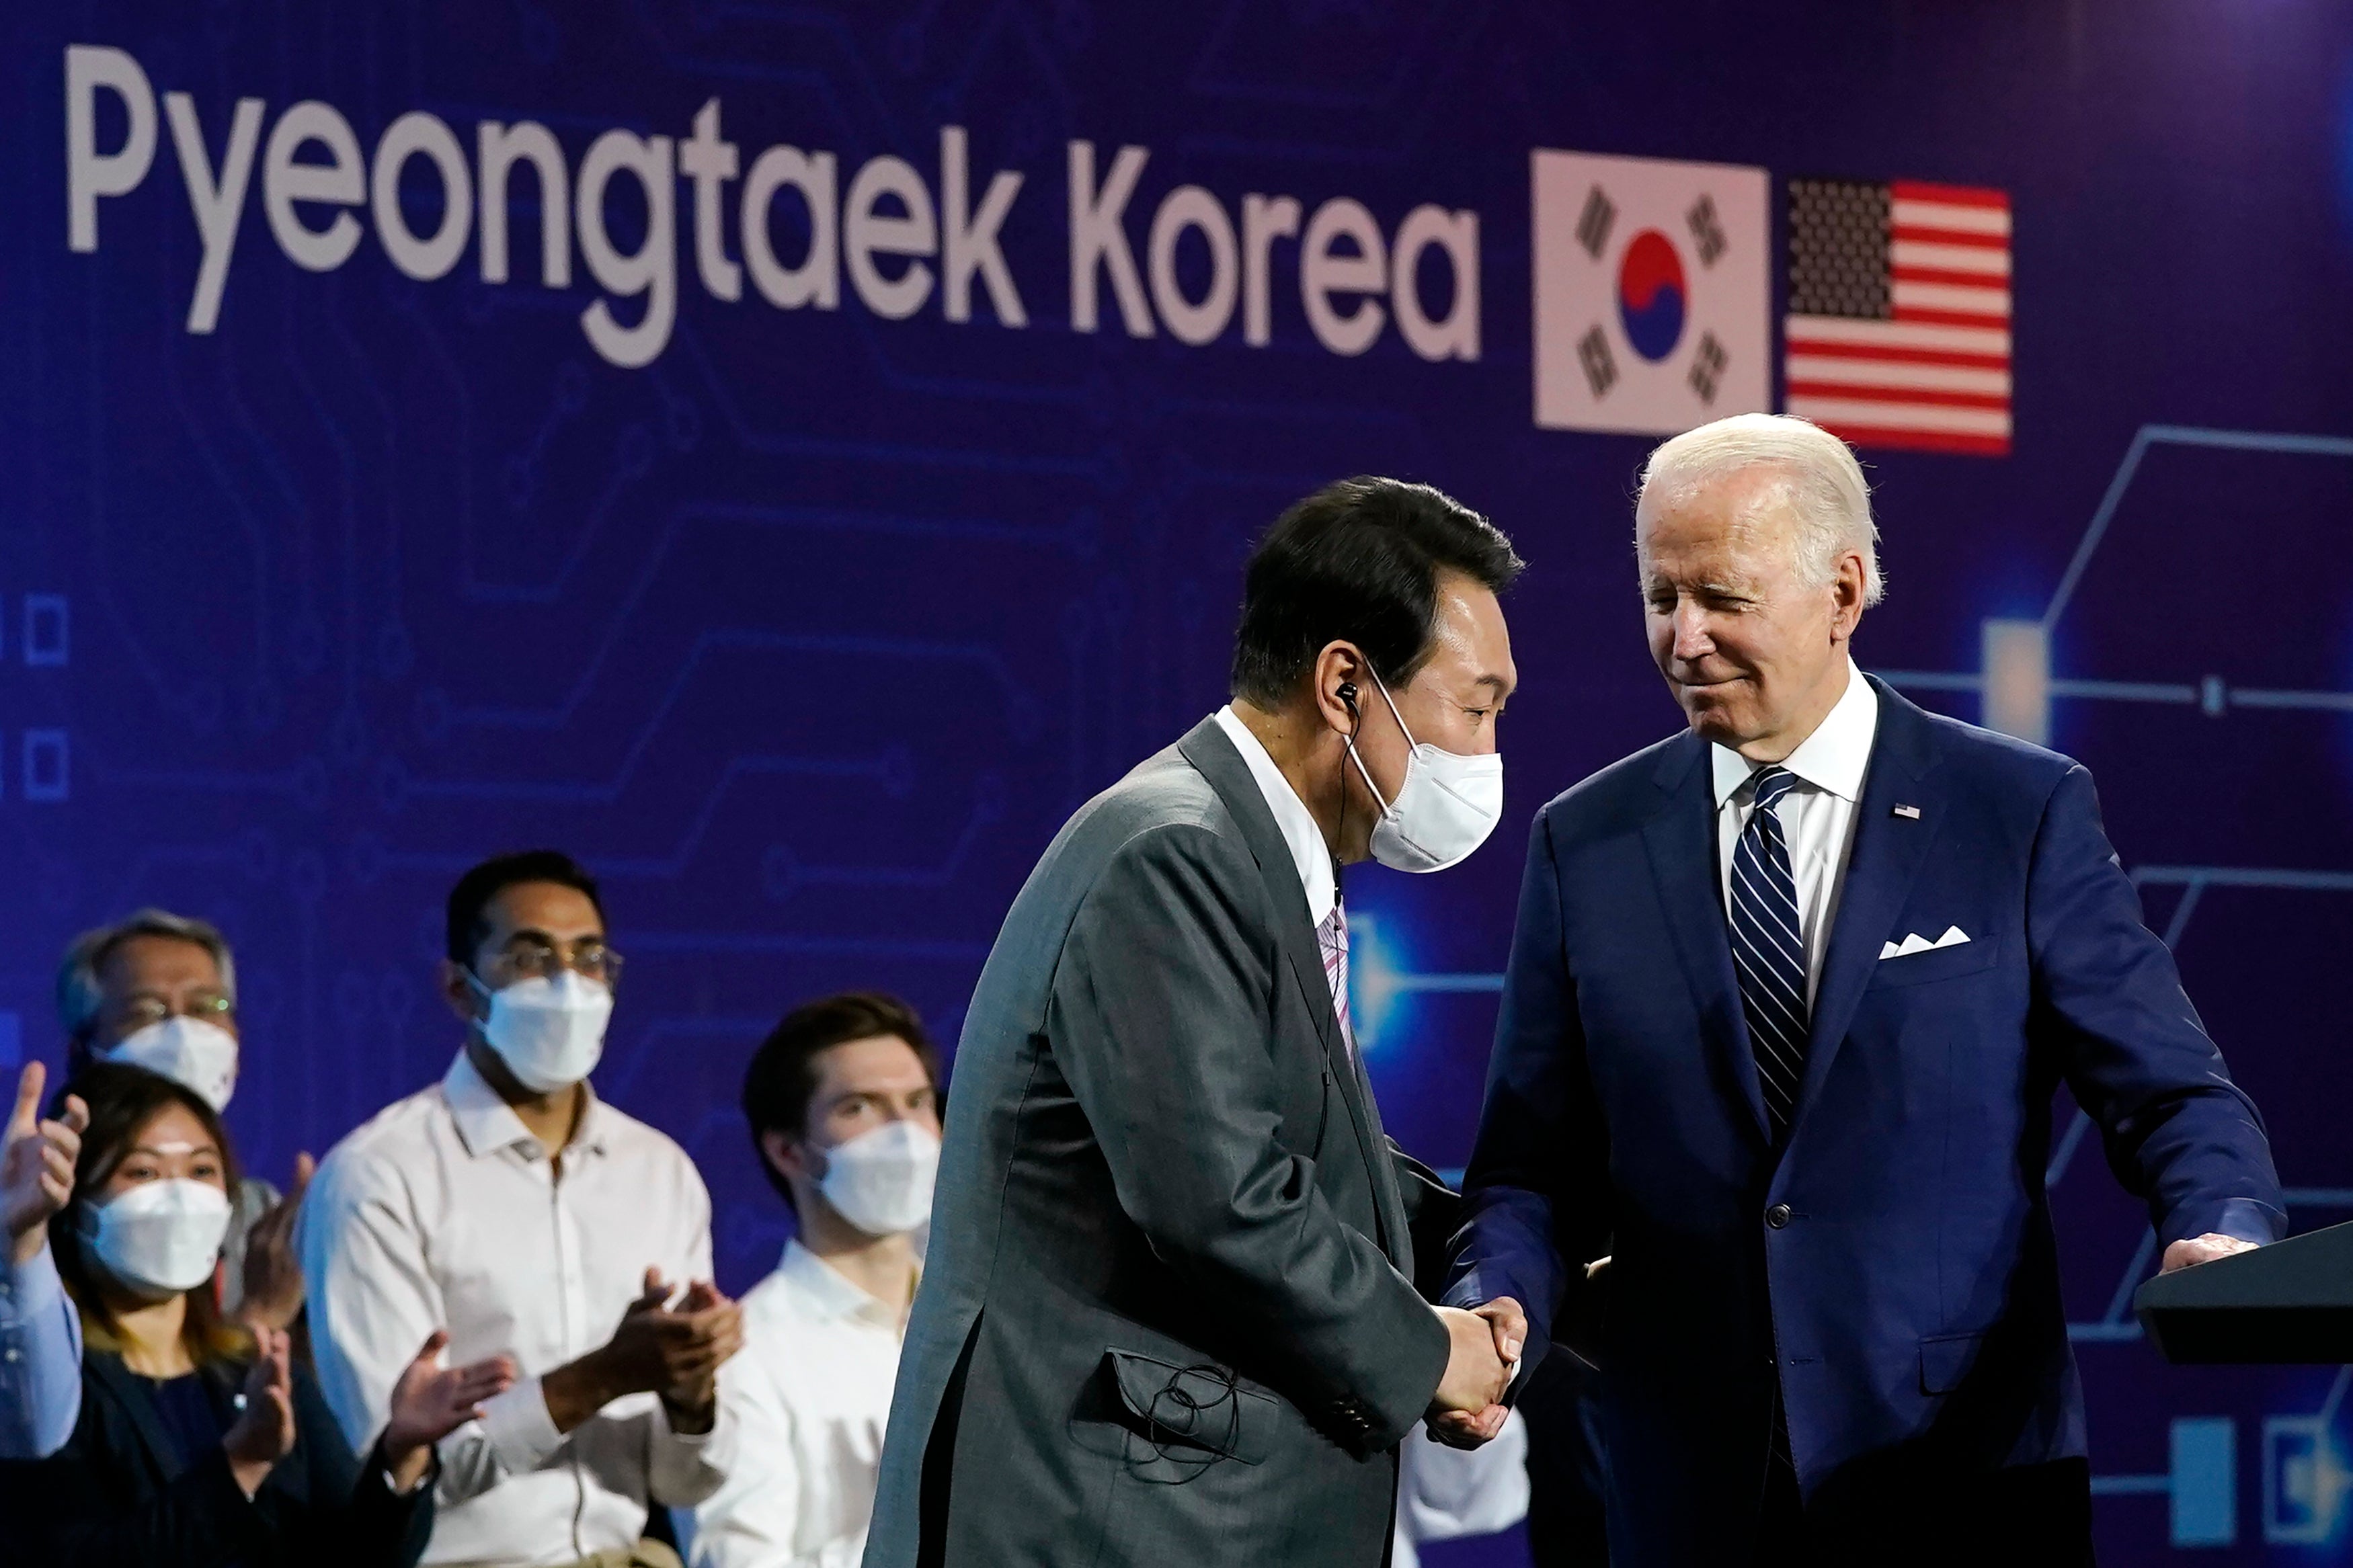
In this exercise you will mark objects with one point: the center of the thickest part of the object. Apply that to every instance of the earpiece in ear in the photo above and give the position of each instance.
(1348, 697)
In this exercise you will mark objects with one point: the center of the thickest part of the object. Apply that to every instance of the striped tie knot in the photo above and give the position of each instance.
(1333, 934)
(1771, 784)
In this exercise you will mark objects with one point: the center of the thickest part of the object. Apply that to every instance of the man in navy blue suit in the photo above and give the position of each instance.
(1789, 996)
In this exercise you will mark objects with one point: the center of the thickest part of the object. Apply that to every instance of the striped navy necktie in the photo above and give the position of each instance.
(1767, 950)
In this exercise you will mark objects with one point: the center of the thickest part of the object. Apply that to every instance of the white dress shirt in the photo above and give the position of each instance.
(1817, 816)
(1308, 850)
(444, 1212)
(810, 1394)
(1446, 1494)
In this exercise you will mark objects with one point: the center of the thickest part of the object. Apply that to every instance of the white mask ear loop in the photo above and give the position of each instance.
(1409, 742)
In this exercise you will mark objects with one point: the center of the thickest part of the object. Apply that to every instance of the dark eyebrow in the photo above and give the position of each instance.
(549, 939)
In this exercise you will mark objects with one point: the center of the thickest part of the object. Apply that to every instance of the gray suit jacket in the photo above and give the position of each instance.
(1166, 1315)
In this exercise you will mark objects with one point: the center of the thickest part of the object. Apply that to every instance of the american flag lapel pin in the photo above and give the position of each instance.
(1911, 811)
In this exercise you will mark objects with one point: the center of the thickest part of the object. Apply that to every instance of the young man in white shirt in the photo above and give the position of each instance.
(843, 1102)
(511, 1205)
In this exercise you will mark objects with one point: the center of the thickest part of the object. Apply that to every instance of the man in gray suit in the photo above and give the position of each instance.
(1168, 1315)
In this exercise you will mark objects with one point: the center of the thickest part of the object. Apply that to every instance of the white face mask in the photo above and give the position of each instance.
(1445, 809)
(193, 1052)
(161, 1238)
(550, 1032)
(881, 1180)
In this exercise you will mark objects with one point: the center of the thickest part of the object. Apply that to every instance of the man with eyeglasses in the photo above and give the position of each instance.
(158, 991)
(510, 1203)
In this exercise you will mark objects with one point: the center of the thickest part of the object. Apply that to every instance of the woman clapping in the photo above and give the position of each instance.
(200, 1443)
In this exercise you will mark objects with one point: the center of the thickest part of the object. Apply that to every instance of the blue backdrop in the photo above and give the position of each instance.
(328, 564)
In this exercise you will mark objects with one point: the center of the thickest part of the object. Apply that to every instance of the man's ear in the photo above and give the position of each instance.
(784, 1155)
(1848, 587)
(1341, 681)
(458, 992)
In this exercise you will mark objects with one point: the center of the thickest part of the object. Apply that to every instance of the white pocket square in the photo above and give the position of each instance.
(1954, 936)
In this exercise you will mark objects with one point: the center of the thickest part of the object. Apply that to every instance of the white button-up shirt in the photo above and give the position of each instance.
(809, 1394)
(1292, 817)
(1446, 1494)
(444, 1212)
(1817, 816)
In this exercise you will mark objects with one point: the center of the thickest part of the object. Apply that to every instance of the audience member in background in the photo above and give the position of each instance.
(158, 991)
(512, 1203)
(1446, 1493)
(843, 1102)
(40, 1335)
(199, 1443)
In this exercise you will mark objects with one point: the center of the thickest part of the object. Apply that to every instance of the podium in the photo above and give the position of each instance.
(2290, 1303)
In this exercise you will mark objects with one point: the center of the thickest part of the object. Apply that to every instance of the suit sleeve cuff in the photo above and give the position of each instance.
(2243, 1219)
(1470, 1290)
(521, 1431)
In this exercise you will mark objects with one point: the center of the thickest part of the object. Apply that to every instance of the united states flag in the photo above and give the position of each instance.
(1898, 330)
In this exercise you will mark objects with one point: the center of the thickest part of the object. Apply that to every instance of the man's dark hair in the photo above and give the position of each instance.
(494, 875)
(1357, 562)
(784, 1071)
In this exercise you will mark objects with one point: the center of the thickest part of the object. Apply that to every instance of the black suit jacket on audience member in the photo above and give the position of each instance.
(118, 1496)
(1166, 1315)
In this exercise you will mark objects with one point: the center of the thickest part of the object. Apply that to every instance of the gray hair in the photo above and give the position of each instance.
(80, 995)
(1819, 478)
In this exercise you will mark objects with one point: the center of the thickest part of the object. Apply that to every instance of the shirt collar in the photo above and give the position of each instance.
(826, 1292)
(1832, 759)
(1309, 853)
(487, 1123)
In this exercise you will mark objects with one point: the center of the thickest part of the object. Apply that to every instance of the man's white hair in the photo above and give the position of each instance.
(1820, 479)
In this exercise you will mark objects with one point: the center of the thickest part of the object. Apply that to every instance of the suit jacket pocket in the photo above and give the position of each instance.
(1937, 963)
(1945, 1360)
(1201, 1407)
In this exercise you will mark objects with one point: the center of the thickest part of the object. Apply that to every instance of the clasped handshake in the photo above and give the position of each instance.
(1481, 1357)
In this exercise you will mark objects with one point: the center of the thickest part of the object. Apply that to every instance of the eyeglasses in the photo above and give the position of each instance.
(534, 958)
(147, 1009)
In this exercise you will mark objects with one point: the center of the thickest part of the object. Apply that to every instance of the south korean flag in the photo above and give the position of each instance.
(1653, 292)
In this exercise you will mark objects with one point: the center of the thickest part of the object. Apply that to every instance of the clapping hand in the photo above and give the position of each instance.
(1484, 1354)
(671, 1351)
(264, 1433)
(718, 1333)
(37, 1164)
(272, 1281)
(432, 1401)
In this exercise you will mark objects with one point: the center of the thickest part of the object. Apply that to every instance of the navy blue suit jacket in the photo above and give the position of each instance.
(1892, 1266)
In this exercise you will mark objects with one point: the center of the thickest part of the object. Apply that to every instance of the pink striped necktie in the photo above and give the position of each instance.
(1332, 937)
